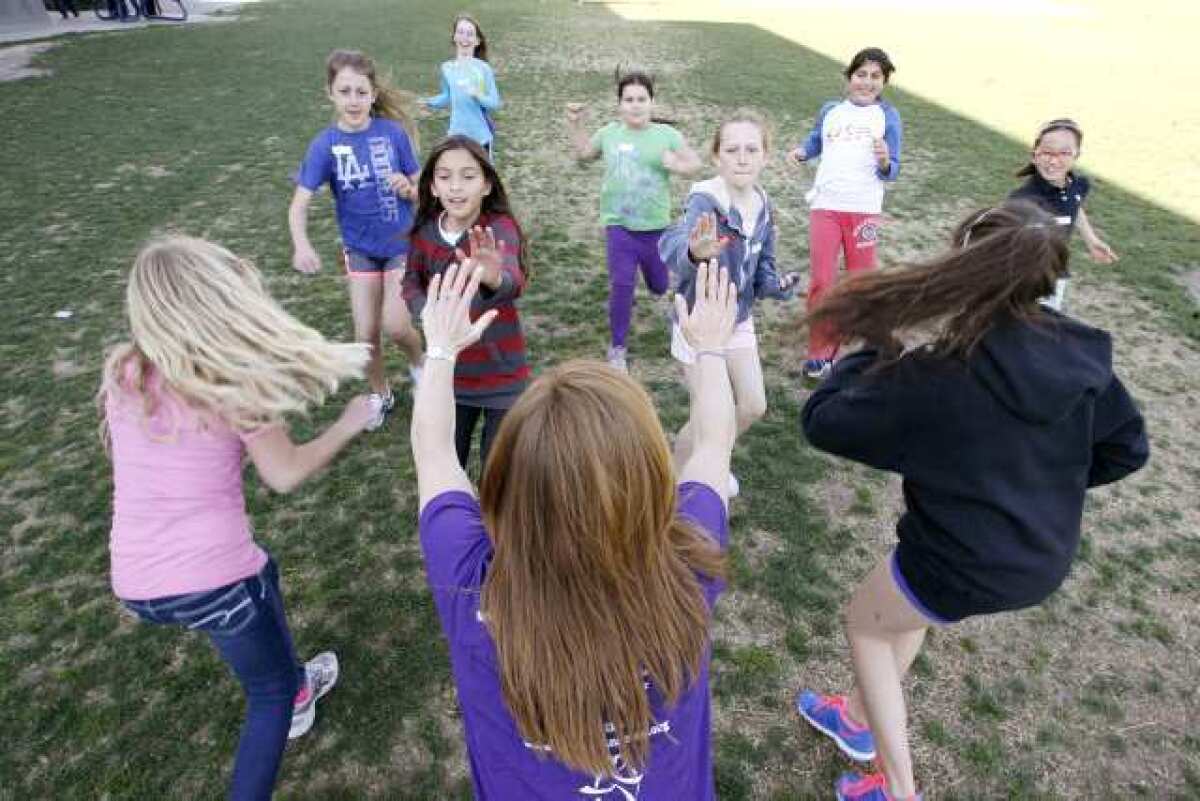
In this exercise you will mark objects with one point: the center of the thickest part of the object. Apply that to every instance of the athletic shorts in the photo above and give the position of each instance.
(743, 337)
(361, 264)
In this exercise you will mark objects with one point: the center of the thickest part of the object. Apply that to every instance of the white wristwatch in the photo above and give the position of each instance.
(438, 352)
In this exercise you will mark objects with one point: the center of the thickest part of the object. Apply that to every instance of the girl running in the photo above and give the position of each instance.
(463, 210)
(368, 159)
(640, 154)
(729, 218)
(1054, 186)
(468, 85)
(576, 593)
(998, 426)
(858, 140)
(213, 367)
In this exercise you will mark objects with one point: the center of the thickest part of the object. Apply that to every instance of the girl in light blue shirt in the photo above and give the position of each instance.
(468, 85)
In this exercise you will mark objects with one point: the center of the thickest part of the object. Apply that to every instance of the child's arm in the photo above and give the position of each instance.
(490, 99)
(497, 251)
(448, 330)
(707, 328)
(682, 160)
(304, 257)
(887, 149)
(811, 147)
(1098, 249)
(1120, 445)
(442, 99)
(692, 240)
(585, 147)
(768, 283)
(414, 280)
(284, 465)
(857, 417)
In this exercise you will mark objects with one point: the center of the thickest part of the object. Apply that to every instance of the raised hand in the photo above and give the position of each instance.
(360, 411)
(576, 113)
(446, 318)
(796, 157)
(486, 252)
(703, 243)
(709, 325)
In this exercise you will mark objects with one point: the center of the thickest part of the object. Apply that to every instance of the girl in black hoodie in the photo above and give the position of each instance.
(998, 426)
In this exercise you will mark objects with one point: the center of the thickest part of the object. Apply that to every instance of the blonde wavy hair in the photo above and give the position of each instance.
(202, 321)
(593, 587)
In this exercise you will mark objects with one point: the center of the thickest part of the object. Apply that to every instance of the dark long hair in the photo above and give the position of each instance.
(495, 202)
(1001, 261)
(481, 48)
(638, 78)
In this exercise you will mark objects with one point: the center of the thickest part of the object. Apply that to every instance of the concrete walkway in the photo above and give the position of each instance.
(198, 11)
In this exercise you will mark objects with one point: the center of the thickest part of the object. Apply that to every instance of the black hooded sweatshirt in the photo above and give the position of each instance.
(996, 455)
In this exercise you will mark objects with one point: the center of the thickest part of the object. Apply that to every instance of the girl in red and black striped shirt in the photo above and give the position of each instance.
(463, 211)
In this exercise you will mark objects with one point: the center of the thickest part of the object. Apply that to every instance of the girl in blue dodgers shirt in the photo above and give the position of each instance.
(468, 85)
(858, 140)
(1056, 188)
(368, 159)
(998, 427)
(729, 217)
(576, 593)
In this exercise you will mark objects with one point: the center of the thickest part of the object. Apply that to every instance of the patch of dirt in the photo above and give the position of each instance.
(15, 61)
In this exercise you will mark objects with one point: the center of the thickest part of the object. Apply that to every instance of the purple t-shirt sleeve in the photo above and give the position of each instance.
(702, 505)
(317, 167)
(457, 551)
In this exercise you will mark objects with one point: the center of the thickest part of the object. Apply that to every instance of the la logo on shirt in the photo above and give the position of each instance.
(350, 173)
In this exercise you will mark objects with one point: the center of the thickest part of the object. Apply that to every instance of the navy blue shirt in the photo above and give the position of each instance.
(1063, 202)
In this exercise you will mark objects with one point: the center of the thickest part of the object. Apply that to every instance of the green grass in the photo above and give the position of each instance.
(198, 129)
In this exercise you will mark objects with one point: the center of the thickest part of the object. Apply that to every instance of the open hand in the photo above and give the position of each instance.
(703, 242)
(446, 318)
(1101, 253)
(796, 157)
(360, 410)
(576, 113)
(486, 252)
(709, 325)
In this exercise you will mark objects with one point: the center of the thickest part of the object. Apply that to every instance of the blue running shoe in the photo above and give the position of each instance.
(817, 370)
(872, 787)
(827, 714)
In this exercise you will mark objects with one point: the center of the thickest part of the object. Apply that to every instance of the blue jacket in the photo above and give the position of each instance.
(749, 256)
(468, 111)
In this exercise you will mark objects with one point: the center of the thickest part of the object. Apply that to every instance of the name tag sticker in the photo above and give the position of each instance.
(625, 147)
(1063, 220)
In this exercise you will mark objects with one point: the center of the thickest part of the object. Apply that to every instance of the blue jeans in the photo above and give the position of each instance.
(246, 623)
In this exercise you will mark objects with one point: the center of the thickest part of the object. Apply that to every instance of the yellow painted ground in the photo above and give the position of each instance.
(1128, 71)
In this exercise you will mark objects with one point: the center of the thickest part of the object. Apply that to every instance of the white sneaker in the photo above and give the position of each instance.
(379, 409)
(735, 489)
(616, 358)
(321, 673)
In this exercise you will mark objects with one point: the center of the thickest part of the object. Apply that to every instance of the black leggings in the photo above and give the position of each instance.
(466, 418)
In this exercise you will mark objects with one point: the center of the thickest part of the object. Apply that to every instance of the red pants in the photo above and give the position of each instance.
(831, 232)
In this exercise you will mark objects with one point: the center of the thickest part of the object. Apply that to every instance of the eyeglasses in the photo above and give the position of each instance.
(1048, 155)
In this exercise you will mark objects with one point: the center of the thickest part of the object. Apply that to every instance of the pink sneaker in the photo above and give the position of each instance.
(872, 787)
(320, 673)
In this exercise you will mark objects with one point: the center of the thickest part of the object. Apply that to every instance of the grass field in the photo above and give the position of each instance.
(198, 129)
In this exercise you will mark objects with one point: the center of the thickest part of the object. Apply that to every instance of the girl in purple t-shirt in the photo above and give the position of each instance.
(368, 159)
(213, 366)
(576, 592)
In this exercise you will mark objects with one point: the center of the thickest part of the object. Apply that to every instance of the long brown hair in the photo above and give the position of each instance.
(495, 202)
(1001, 261)
(390, 102)
(593, 587)
(481, 48)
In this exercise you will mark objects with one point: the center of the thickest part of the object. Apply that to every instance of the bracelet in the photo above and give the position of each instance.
(439, 353)
(720, 353)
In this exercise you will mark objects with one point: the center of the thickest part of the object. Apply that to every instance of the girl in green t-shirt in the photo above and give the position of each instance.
(639, 153)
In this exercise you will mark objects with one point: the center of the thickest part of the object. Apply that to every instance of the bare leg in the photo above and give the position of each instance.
(397, 323)
(366, 292)
(749, 396)
(885, 633)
